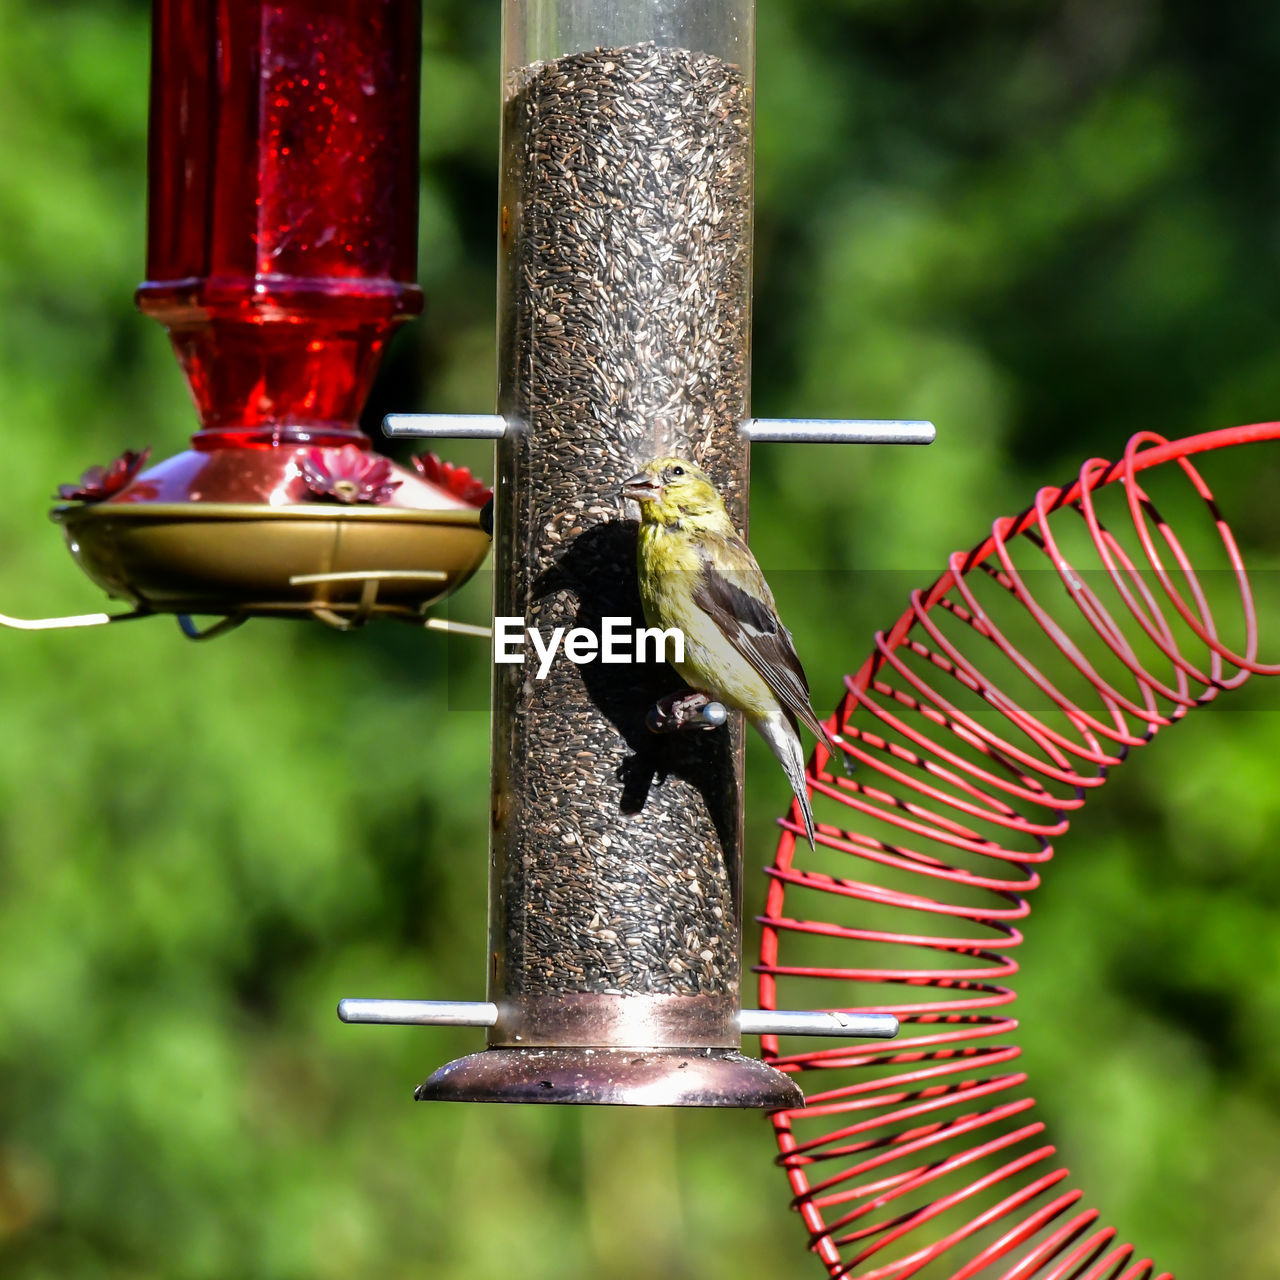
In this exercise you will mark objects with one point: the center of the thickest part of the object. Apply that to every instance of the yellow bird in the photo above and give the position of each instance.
(698, 575)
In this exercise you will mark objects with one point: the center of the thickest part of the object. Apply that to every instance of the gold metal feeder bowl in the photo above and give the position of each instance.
(341, 535)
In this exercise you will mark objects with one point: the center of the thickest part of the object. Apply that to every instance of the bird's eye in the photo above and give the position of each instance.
(677, 471)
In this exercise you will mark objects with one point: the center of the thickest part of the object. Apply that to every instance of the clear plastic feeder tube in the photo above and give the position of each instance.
(626, 222)
(541, 30)
(625, 289)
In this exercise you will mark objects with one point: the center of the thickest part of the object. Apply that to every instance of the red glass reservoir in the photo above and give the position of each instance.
(282, 249)
(282, 236)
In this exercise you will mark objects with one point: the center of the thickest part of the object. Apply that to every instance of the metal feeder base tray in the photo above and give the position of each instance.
(614, 1077)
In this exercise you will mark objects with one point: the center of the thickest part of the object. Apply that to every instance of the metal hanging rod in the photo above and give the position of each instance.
(476, 426)
(751, 1022)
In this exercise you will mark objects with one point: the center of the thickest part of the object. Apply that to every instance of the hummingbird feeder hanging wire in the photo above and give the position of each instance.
(959, 790)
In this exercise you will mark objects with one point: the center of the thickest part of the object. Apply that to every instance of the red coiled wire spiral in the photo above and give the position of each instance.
(970, 760)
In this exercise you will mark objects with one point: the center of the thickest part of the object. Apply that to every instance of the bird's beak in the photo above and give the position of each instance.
(641, 488)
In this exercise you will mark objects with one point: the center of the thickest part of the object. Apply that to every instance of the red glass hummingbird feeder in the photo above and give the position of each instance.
(282, 251)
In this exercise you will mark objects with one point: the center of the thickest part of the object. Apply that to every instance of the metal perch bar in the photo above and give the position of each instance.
(451, 426)
(837, 431)
(445, 426)
(751, 1022)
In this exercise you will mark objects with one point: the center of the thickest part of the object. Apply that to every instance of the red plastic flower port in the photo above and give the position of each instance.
(455, 480)
(98, 483)
(348, 475)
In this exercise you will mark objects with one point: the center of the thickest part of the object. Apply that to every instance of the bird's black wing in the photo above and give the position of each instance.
(732, 591)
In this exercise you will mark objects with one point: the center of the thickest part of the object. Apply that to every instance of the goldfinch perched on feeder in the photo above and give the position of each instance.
(698, 575)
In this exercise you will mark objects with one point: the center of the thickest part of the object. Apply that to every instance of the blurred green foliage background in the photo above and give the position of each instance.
(1044, 224)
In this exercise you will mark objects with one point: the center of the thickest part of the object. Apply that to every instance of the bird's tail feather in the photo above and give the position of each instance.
(784, 741)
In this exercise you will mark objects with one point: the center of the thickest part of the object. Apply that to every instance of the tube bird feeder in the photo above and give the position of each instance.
(625, 230)
(282, 254)
(624, 303)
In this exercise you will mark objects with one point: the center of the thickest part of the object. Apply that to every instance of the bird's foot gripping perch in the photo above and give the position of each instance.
(679, 711)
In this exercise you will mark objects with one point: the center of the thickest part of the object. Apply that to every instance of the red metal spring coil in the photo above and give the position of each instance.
(959, 790)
